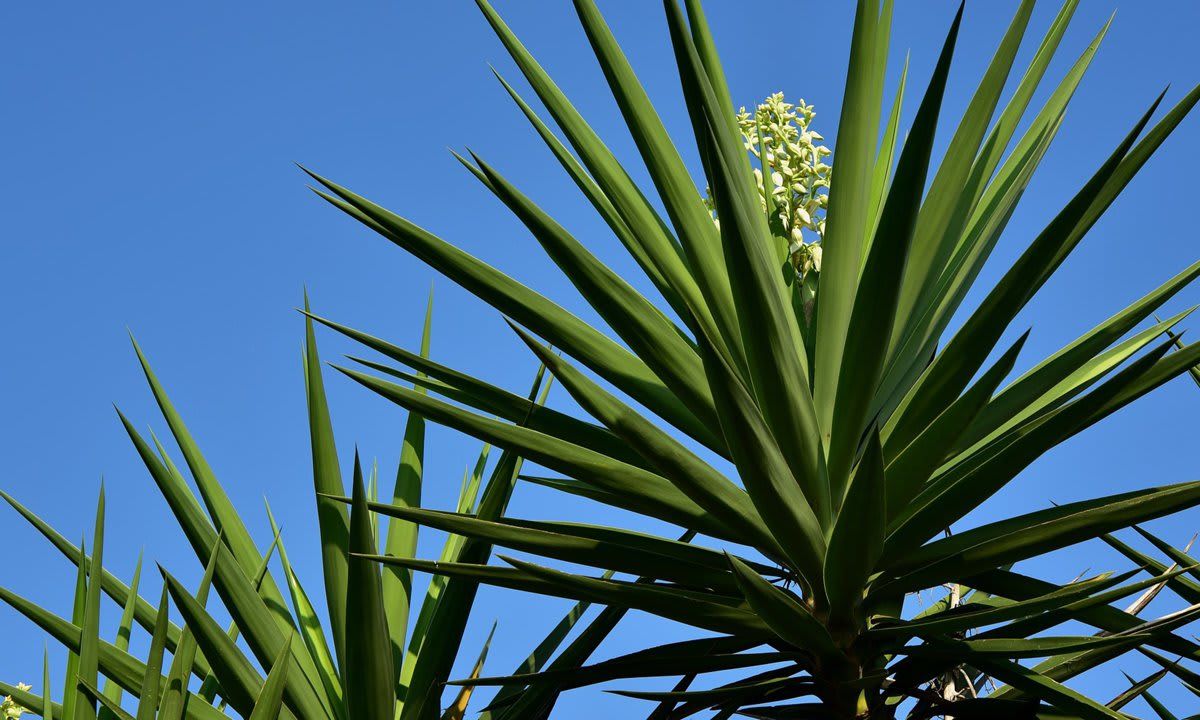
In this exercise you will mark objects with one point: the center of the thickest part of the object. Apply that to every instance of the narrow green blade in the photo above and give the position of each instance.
(367, 672)
(270, 699)
(152, 683)
(401, 539)
(332, 518)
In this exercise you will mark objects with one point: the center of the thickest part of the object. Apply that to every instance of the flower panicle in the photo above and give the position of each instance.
(799, 174)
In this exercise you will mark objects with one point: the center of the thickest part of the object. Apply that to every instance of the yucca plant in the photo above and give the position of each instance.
(859, 434)
(386, 653)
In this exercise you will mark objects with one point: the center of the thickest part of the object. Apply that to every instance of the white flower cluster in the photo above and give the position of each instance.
(799, 175)
(9, 709)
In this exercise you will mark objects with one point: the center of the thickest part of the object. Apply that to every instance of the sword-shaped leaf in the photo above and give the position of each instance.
(656, 495)
(875, 304)
(269, 704)
(639, 323)
(401, 537)
(1039, 532)
(332, 519)
(791, 621)
(777, 371)
(106, 705)
(217, 502)
(970, 346)
(367, 672)
(847, 220)
(174, 697)
(439, 647)
(458, 708)
(692, 476)
(239, 595)
(113, 691)
(240, 681)
(89, 650)
(148, 698)
(856, 541)
(489, 398)
(559, 327)
(694, 228)
(311, 630)
(126, 670)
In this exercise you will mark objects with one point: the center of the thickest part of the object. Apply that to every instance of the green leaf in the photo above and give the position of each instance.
(767, 478)
(540, 698)
(1049, 385)
(144, 613)
(1020, 398)
(332, 518)
(1015, 648)
(174, 699)
(847, 219)
(47, 705)
(89, 650)
(491, 399)
(1159, 709)
(123, 668)
(451, 547)
(311, 630)
(785, 615)
(107, 705)
(882, 173)
(991, 204)
(943, 214)
(269, 704)
(1048, 251)
(775, 353)
(974, 615)
(448, 622)
(733, 695)
(704, 610)
(240, 682)
(559, 327)
(217, 502)
(856, 541)
(648, 663)
(875, 307)
(113, 691)
(587, 545)
(78, 615)
(367, 672)
(599, 201)
(653, 337)
(1008, 584)
(34, 703)
(1194, 372)
(458, 708)
(911, 467)
(152, 682)
(693, 477)
(1037, 533)
(658, 246)
(401, 536)
(238, 594)
(1034, 683)
(1136, 689)
(693, 225)
(515, 692)
(953, 494)
(657, 496)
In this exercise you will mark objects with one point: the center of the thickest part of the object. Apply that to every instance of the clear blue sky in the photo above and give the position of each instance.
(149, 183)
